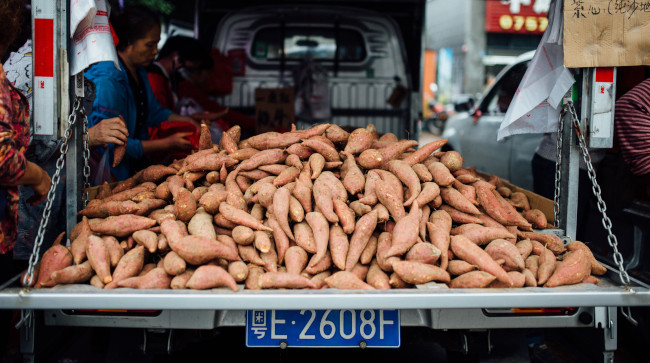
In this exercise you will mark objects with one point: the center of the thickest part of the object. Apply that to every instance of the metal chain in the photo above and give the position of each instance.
(86, 156)
(558, 172)
(72, 119)
(607, 223)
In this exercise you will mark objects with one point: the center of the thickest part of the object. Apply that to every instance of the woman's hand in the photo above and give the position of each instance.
(41, 188)
(178, 141)
(110, 130)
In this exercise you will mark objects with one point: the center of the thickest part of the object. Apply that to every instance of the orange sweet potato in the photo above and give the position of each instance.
(425, 151)
(157, 278)
(484, 235)
(406, 232)
(253, 279)
(280, 238)
(573, 269)
(243, 235)
(359, 140)
(338, 246)
(336, 134)
(73, 274)
(321, 229)
(130, 265)
(210, 276)
(525, 247)
(423, 252)
(452, 160)
(296, 211)
(180, 281)
(197, 250)
(459, 267)
(97, 254)
(368, 253)
(376, 277)
(146, 238)
(414, 272)
(518, 280)
(546, 266)
(471, 280)
(389, 198)
(346, 280)
(441, 174)
(281, 199)
(460, 217)
(551, 241)
(174, 264)
(238, 270)
(363, 229)
(285, 280)
(371, 159)
(439, 228)
(120, 226)
(240, 217)
(305, 236)
(457, 200)
(475, 255)
(295, 259)
(536, 217)
(115, 251)
(407, 176)
(596, 267)
(324, 264)
(262, 241)
(502, 249)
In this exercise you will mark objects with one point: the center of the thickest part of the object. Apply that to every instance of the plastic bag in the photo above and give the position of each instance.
(100, 166)
(312, 91)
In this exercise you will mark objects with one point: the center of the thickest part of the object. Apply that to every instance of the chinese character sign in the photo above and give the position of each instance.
(274, 109)
(606, 33)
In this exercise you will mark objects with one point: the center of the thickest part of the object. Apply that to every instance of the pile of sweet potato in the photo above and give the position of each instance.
(313, 208)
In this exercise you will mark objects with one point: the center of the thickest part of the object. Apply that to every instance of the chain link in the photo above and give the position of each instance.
(60, 162)
(86, 156)
(607, 223)
(558, 172)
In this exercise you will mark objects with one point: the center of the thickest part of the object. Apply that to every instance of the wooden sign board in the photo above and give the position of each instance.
(606, 33)
(274, 109)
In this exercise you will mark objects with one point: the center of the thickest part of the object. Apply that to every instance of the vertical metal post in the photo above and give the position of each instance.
(197, 4)
(570, 178)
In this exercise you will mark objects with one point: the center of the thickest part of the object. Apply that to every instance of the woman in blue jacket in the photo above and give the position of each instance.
(126, 92)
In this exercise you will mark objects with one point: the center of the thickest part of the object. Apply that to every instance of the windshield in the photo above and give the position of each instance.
(321, 42)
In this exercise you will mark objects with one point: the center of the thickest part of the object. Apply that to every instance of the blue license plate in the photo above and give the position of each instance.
(323, 328)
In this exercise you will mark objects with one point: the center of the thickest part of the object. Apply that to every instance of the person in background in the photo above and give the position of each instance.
(179, 55)
(126, 92)
(15, 169)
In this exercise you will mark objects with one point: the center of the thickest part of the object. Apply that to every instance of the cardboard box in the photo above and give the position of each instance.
(605, 33)
(274, 109)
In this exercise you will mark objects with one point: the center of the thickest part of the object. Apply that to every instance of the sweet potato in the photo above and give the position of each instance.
(120, 226)
(467, 191)
(180, 281)
(484, 235)
(286, 176)
(154, 173)
(573, 269)
(368, 253)
(396, 282)
(264, 157)
(328, 151)
(253, 279)
(596, 267)
(536, 217)
(358, 208)
(336, 134)
(551, 241)
(262, 241)
(422, 172)
(97, 254)
(346, 280)
(389, 198)
(345, 215)
(281, 210)
(525, 247)
(532, 264)
(305, 236)
(460, 217)
(457, 200)
(324, 264)
(319, 279)
(96, 281)
(240, 217)
(173, 264)
(301, 150)
(250, 254)
(359, 140)
(471, 280)
(285, 280)
(281, 239)
(115, 251)
(419, 273)
(129, 265)
(459, 267)
(320, 228)
(471, 253)
(439, 228)
(441, 174)
(243, 235)
(546, 266)
(502, 249)
(452, 160)
(406, 232)
(518, 280)
(423, 152)
(406, 175)
(394, 150)
(109, 208)
(210, 276)
(198, 250)
(363, 229)
(529, 278)
(316, 164)
(73, 274)
(423, 252)
(376, 277)
(146, 238)
(295, 259)
(238, 270)
(371, 159)
(157, 278)
(270, 140)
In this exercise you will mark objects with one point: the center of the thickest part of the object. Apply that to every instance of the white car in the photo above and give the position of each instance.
(474, 134)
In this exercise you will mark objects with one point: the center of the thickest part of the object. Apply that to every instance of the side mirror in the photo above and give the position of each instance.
(476, 115)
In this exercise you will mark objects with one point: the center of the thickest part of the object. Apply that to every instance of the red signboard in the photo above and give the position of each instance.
(44, 47)
(499, 18)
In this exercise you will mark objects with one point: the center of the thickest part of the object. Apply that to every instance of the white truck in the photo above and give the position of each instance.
(322, 318)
